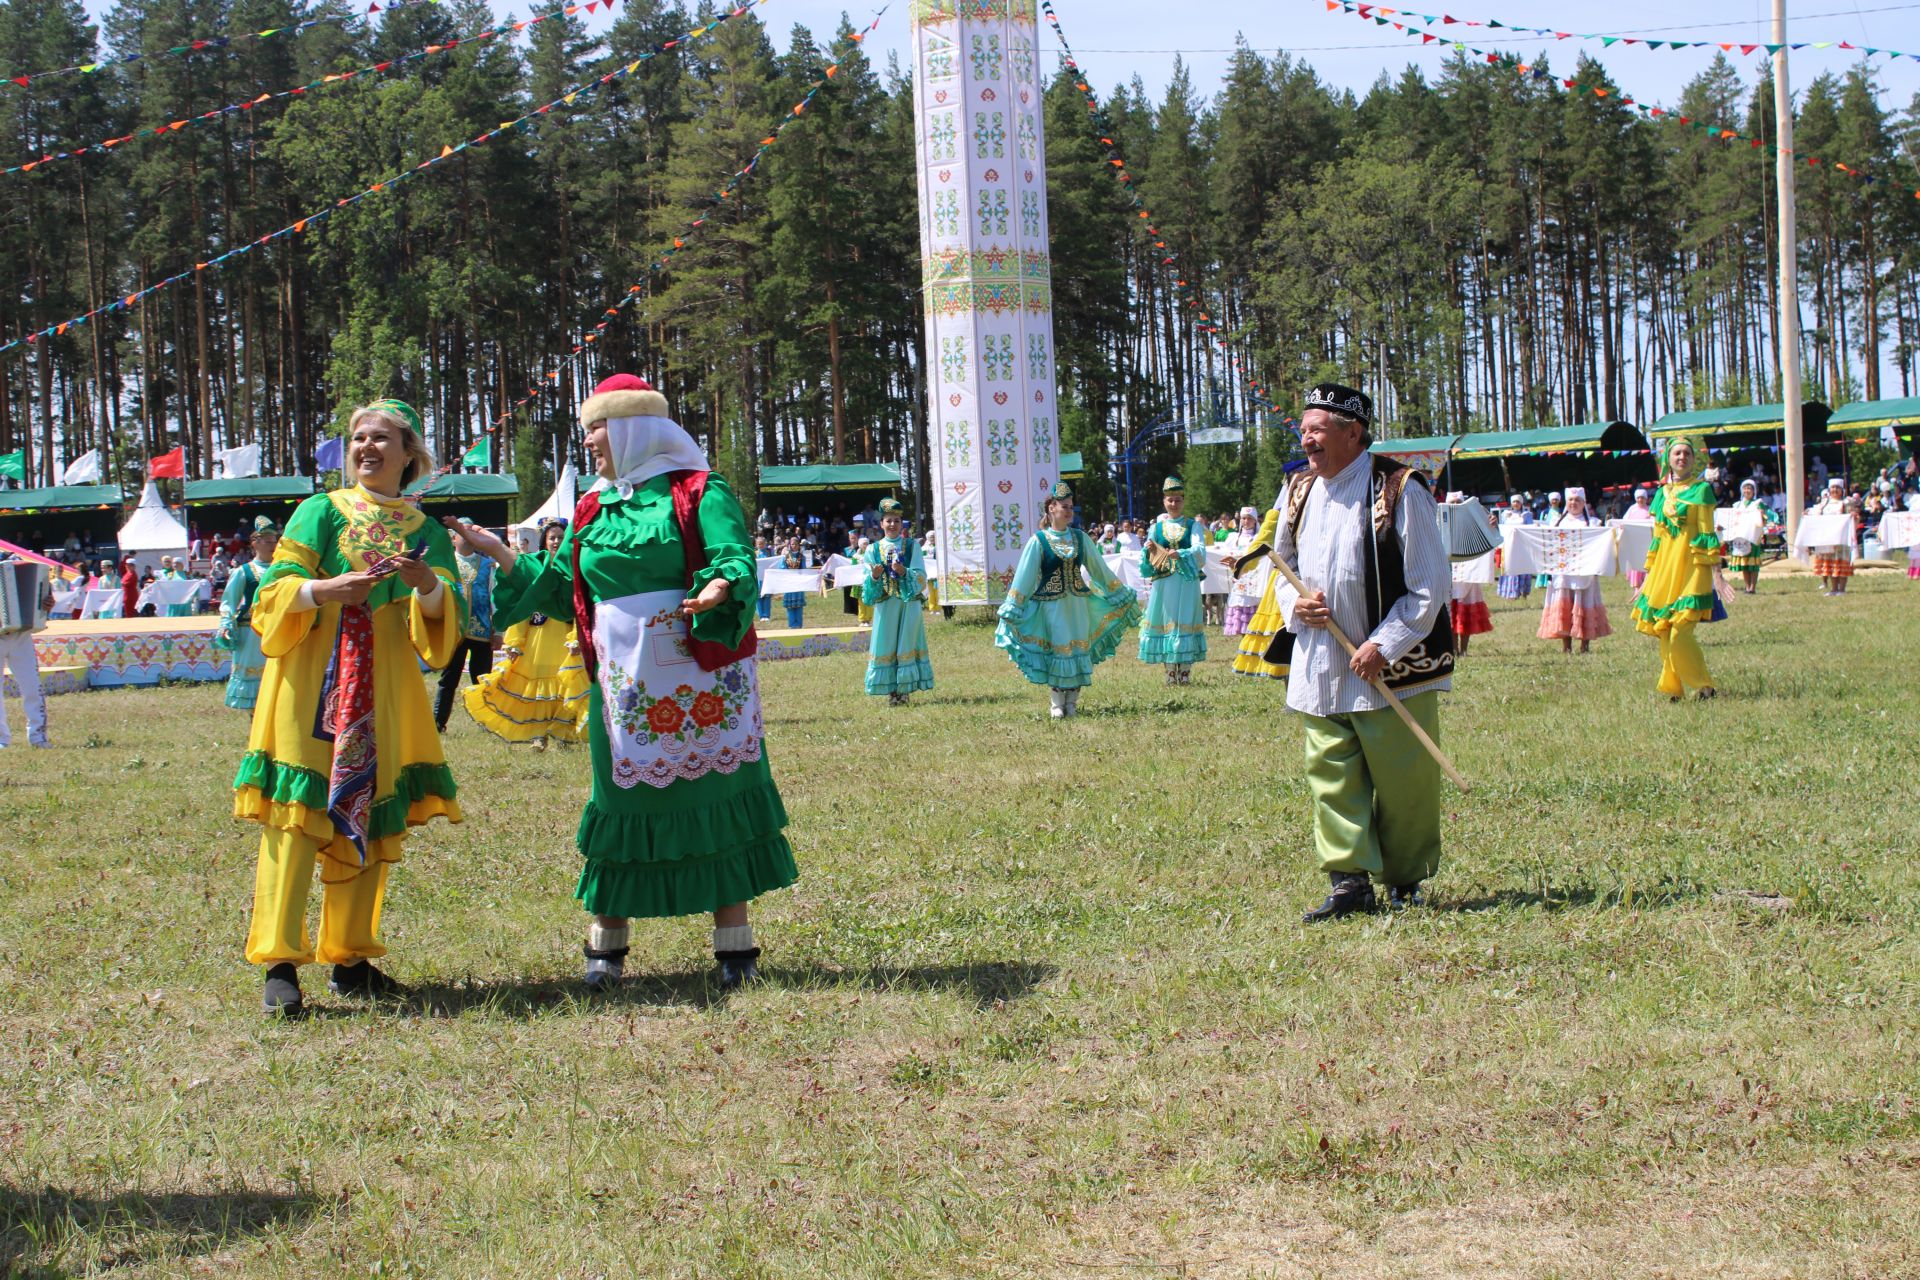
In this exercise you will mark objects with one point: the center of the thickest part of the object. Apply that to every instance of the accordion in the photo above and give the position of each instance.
(23, 597)
(1466, 530)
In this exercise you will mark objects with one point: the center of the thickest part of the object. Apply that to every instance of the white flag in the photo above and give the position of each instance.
(84, 469)
(242, 462)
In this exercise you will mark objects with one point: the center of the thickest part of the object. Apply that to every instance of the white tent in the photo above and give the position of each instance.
(558, 506)
(152, 531)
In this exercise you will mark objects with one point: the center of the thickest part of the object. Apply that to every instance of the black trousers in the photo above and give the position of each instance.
(477, 657)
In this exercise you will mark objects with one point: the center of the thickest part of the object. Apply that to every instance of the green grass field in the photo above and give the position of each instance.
(1040, 1005)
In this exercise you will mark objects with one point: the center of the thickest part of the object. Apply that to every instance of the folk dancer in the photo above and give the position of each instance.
(1056, 624)
(1745, 554)
(235, 634)
(1833, 564)
(18, 656)
(1639, 513)
(896, 591)
(1174, 565)
(539, 694)
(1575, 609)
(1243, 599)
(657, 571)
(475, 655)
(1678, 594)
(1467, 605)
(339, 765)
(1364, 536)
(1515, 586)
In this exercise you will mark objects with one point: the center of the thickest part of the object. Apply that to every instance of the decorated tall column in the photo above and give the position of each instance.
(994, 431)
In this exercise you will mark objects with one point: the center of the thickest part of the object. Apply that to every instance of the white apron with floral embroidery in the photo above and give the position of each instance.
(666, 719)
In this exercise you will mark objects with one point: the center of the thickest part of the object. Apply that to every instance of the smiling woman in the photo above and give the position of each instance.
(658, 572)
(342, 758)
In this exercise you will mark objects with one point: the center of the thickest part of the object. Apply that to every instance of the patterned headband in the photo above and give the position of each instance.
(399, 409)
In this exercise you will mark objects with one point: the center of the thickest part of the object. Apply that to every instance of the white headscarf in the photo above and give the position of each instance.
(642, 448)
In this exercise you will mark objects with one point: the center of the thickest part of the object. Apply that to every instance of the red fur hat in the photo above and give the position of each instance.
(622, 396)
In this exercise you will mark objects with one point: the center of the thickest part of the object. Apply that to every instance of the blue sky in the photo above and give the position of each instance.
(1119, 39)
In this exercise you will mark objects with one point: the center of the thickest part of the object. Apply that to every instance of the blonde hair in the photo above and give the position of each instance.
(419, 458)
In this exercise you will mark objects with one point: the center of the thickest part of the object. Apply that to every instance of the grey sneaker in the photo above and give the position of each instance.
(605, 969)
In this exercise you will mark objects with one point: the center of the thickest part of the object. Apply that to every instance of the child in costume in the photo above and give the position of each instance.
(1745, 554)
(343, 758)
(896, 591)
(540, 692)
(658, 573)
(1053, 625)
(1678, 594)
(1467, 605)
(235, 633)
(1174, 562)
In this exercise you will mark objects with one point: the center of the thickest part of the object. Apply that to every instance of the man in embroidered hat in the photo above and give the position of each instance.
(235, 633)
(1174, 562)
(658, 572)
(1362, 533)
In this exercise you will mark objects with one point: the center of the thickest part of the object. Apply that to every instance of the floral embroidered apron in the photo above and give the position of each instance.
(666, 719)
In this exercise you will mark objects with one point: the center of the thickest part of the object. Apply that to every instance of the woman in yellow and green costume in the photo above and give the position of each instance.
(343, 757)
(1678, 593)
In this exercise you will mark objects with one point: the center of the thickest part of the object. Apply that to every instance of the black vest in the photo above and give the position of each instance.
(1386, 577)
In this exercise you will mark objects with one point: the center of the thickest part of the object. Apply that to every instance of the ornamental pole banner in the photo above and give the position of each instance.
(982, 174)
(1578, 551)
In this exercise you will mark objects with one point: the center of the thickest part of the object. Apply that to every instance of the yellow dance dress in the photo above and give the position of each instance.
(1268, 621)
(391, 774)
(541, 691)
(1678, 593)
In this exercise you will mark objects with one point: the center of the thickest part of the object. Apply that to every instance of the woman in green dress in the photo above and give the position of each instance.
(1054, 626)
(1174, 561)
(896, 591)
(658, 573)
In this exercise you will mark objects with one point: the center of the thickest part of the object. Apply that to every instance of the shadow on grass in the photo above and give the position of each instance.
(118, 1230)
(1576, 898)
(985, 983)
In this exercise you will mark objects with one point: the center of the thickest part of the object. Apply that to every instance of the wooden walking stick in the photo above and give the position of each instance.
(1393, 700)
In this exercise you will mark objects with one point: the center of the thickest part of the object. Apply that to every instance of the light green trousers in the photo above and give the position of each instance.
(1376, 792)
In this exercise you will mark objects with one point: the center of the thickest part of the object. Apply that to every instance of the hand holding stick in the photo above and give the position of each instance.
(1393, 700)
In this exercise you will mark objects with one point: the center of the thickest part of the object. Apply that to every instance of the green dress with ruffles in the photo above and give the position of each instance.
(700, 825)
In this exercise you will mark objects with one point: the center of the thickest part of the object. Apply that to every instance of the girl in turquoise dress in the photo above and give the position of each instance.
(896, 591)
(235, 633)
(1054, 625)
(1174, 560)
(658, 573)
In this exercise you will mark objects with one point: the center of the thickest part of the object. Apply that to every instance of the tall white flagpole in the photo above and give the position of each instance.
(1795, 469)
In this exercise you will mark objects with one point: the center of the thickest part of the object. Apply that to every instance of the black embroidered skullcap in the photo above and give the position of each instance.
(1339, 399)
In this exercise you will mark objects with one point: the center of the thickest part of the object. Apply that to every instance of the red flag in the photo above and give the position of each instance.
(168, 465)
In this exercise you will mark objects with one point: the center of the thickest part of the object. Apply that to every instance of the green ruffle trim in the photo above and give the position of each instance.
(1697, 493)
(290, 784)
(682, 835)
(689, 886)
(1685, 604)
(1705, 542)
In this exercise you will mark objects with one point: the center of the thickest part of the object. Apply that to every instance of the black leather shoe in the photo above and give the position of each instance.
(282, 995)
(736, 968)
(1352, 893)
(1402, 896)
(363, 981)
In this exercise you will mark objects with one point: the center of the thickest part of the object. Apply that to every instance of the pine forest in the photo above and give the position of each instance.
(1478, 249)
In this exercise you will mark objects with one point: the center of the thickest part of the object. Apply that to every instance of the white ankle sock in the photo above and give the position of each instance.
(602, 937)
(733, 937)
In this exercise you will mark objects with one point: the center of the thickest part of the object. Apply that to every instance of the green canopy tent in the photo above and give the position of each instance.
(827, 491)
(482, 497)
(1866, 419)
(1740, 436)
(1594, 455)
(220, 507)
(39, 519)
